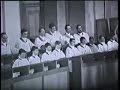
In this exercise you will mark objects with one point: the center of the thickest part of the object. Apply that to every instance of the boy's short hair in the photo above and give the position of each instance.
(22, 51)
(40, 29)
(47, 44)
(34, 48)
(67, 26)
(57, 43)
(51, 25)
(23, 30)
(82, 38)
(91, 37)
(3, 33)
(71, 39)
(101, 36)
(78, 26)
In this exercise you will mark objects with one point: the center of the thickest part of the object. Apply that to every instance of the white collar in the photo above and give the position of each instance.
(25, 39)
(83, 45)
(71, 46)
(67, 34)
(91, 44)
(20, 58)
(42, 37)
(103, 42)
(4, 44)
(48, 52)
(82, 33)
(113, 41)
(34, 55)
(78, 33)
(57, 49)
(52, 33)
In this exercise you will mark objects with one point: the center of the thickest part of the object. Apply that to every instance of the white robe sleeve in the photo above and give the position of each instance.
(100, 49)
(63, 55)
(43, 58)
(17, 45)
(37, 44)
(68, 53)
(90, 52)
(15, 64)
(31, 44)
(30, 60)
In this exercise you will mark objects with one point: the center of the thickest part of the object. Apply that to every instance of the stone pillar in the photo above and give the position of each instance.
(2, 17)
(12, 21)
(89, 17)
(61, 17)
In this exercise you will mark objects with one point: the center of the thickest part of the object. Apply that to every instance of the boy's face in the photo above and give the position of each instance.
(4, 38)
(68, 29)
(92, 40)
(113, 38)
(79, 29)
(73, 43)
(42, 33)
(83, 41)
(53, 29)
(102, 39)
(36, 52)
(23, 55)
(58, 46)
(25, 34)
(49, 48)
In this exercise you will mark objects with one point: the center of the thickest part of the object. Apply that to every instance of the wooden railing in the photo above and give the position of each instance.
(97, 70)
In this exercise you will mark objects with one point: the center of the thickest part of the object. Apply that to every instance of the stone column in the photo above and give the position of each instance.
(61, 17)
(12, 21)
(89, 17)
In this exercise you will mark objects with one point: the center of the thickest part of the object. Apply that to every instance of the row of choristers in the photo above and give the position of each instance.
(55, 45)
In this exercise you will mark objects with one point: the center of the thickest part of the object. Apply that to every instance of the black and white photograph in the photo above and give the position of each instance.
(59, 45)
